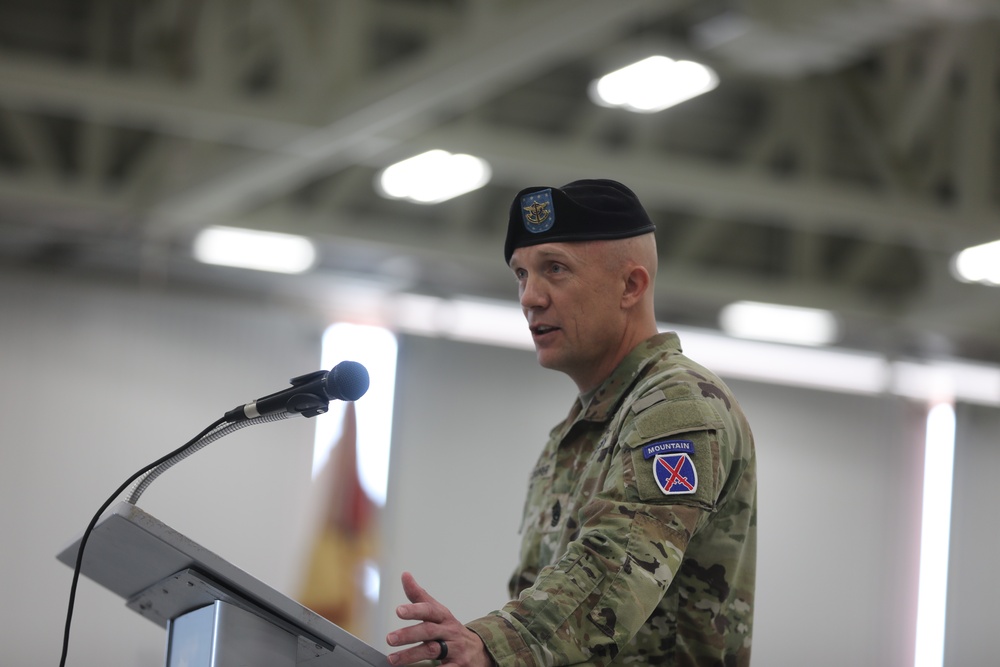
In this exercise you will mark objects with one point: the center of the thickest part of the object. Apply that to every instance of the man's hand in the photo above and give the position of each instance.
(465, 648)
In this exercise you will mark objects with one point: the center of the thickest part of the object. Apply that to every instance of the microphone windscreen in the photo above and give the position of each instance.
(348, 381)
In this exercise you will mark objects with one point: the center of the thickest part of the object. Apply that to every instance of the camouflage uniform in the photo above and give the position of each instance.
(618, 565)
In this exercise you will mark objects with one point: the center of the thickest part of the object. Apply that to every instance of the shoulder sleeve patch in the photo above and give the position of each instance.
(675, 474)
(673, 449)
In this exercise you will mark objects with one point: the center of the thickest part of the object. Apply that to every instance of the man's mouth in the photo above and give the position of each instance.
(542, 329)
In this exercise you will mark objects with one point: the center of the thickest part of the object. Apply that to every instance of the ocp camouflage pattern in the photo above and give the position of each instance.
(614, 570)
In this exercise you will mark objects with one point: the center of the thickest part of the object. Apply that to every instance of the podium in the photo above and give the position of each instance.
(215, 614)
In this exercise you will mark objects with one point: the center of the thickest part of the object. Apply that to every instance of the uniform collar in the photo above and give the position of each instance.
(609, 394)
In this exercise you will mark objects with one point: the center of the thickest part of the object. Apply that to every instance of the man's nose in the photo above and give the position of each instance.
(532, 294)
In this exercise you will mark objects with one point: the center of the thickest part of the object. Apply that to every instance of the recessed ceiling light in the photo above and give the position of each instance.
(978, 264)
(251, 249)
(653, 84)
(433, 177)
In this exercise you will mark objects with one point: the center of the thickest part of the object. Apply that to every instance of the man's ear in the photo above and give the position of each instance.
(636, 285)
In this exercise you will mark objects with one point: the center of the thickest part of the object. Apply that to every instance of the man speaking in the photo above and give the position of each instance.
(639, 530)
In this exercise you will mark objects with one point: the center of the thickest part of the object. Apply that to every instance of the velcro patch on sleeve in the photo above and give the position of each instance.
(673, 453)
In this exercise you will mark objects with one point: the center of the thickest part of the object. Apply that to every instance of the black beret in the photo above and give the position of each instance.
(586, 210)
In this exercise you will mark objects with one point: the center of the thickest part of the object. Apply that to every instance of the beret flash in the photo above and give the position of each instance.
(585, 210)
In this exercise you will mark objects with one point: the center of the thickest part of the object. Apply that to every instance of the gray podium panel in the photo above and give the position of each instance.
(162, 575)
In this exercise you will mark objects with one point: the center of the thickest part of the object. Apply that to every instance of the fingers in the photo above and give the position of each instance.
(424, 607)
(465, 649)
(424, 635)
(436, 622)
(415, 592)
(426, 651)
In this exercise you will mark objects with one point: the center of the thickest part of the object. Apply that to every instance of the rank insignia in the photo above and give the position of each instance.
(537, 211)
(675, 474)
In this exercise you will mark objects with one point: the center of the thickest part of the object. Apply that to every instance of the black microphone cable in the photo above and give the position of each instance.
(196, 445)
(211, 433)
(308, 396)
(97, 517)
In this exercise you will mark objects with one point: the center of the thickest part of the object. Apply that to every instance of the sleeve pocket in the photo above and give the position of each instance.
(673, 450)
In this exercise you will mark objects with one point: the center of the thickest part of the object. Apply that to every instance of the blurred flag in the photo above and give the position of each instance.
(345, 544)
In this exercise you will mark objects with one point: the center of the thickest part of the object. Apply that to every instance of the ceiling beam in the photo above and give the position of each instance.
(49, 87)
(458, 74)
(978, 129)
(670, 182)
(674, 182)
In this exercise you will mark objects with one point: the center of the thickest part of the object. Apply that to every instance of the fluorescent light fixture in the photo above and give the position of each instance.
(433, 177)
(978, 264)
(653, 84)
(833, 370)
(784, 324)
(935, 536)
(250, 249)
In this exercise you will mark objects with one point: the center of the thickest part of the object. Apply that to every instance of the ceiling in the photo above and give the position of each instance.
(851, 148)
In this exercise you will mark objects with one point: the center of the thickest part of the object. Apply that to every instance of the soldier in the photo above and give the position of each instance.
(639, 532)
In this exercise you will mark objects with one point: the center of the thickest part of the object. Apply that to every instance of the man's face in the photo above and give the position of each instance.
(572, 302)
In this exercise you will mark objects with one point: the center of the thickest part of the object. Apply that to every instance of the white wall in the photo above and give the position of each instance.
(99, 380)
(97, 383)
(973, 581)
(838, 493)
(469, 425)
(839, 512)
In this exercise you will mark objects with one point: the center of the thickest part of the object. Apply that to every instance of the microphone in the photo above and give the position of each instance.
(309, 394)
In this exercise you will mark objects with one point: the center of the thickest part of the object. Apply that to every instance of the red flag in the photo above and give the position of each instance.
(345, 544)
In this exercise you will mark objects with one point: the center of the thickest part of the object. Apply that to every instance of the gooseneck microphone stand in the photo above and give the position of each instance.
(220, 431)
(309, 396)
